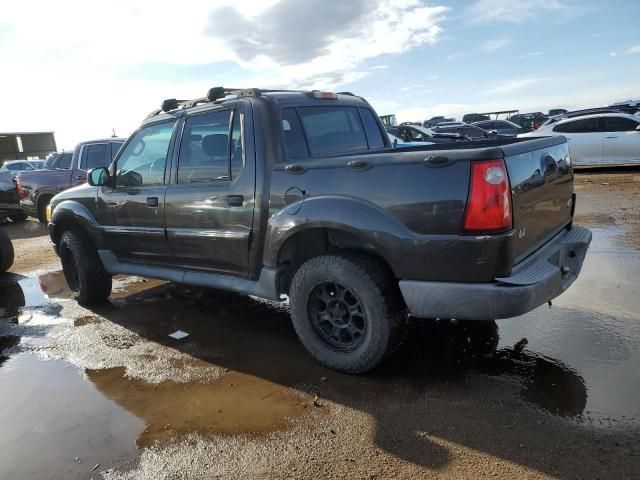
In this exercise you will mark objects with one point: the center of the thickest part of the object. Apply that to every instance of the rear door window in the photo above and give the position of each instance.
(585, 125)
(333, 130)
(204, 151)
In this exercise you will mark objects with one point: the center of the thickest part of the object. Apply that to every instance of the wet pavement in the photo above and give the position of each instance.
(551, 394)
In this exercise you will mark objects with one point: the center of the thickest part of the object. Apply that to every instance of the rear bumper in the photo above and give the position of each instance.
(538, 279)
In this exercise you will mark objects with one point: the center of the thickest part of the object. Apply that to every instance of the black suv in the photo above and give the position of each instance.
(274, 193)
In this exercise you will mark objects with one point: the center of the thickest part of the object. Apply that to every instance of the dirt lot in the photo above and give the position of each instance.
(106, 393)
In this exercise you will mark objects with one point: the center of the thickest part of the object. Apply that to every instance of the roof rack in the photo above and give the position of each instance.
(217, 94)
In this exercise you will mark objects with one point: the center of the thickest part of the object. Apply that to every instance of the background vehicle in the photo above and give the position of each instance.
(415, 133)
(63, 170)
(598, 139)
(6, 252)
(270, 193)
(627, 106)
(502, 127)
(580, 113)
(388, 120)
(21, 165)
(474, 117)
(9, 202)
(471, 132)
(399, 143)
(557, 111)
(529, 121)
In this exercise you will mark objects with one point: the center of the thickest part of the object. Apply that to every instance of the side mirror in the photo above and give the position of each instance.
(395, 143)
(493, 132)
(98, 177)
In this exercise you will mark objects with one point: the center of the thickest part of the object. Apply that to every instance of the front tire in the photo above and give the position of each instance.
(83, 270)
(346, 311)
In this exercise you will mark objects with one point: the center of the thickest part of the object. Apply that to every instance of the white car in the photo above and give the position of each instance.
(598, 139)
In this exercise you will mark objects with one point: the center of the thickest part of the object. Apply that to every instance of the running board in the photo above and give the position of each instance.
(264, 287)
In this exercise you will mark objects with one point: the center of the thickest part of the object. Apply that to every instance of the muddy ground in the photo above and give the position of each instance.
(106, 393)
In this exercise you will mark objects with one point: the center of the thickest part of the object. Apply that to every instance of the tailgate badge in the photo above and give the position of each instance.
(522, 232)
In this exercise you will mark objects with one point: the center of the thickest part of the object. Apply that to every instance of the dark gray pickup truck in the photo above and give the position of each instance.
(274, 193)
(62, 171)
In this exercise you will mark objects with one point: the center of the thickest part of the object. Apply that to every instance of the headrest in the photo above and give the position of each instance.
(215, 145)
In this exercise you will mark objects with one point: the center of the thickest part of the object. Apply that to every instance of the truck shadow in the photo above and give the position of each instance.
(448, 387)
(29, 228)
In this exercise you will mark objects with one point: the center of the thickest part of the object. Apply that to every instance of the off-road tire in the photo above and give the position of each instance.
(6, 252)
(377, 292)
(83, 270)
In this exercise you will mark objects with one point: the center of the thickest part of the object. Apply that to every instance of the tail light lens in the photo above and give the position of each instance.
(19, 189)
(489, 205)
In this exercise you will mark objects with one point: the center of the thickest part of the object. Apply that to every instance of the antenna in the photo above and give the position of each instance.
(114, 133)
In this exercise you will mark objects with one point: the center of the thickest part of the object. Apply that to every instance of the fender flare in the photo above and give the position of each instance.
(362, 219)
(71, 212)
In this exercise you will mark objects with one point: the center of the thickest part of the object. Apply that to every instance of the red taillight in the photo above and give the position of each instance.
(489, 204)
(19, 189)
(324, 95)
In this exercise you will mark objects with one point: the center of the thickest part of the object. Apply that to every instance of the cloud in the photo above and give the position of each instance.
(495, 44)
(307, 41)
(613, 54)
(632, 50)
(531, 54)
(512, 11)
(512, 86)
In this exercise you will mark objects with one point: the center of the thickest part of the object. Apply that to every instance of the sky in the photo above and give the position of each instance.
(86, 68)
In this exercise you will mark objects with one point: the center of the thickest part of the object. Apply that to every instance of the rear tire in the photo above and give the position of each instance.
(83, 270)
(6, 252)
(347, 311)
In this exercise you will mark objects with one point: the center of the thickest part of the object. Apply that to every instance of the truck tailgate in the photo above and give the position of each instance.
(541, 180)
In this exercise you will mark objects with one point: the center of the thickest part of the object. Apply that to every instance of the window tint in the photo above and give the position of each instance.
(585, 125)
(143, 160)
(94, 156)
(64, 161)
(204, 151)
(115, 147)
(237, 148)
(371, 129)
(13, 166)
(619, 124)
(294, 141)
(333, 130)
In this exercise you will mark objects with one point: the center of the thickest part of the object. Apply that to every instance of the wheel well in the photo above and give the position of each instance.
(64, 224)
(314, 242)
(41, 198)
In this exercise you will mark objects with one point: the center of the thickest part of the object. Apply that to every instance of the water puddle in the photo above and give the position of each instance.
(236, 404)
(56, 424)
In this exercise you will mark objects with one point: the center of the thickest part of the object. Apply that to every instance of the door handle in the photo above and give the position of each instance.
(357, 164)
(293, 168)
(235, 200)
(613, 136)
(80, 177)
(152, 202)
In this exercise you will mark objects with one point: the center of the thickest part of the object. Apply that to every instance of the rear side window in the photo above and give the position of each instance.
(94, 156)
(619, 124)
(294, 140)
(333, 130)
(371, 129)
(64, 161)
(585, 125)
